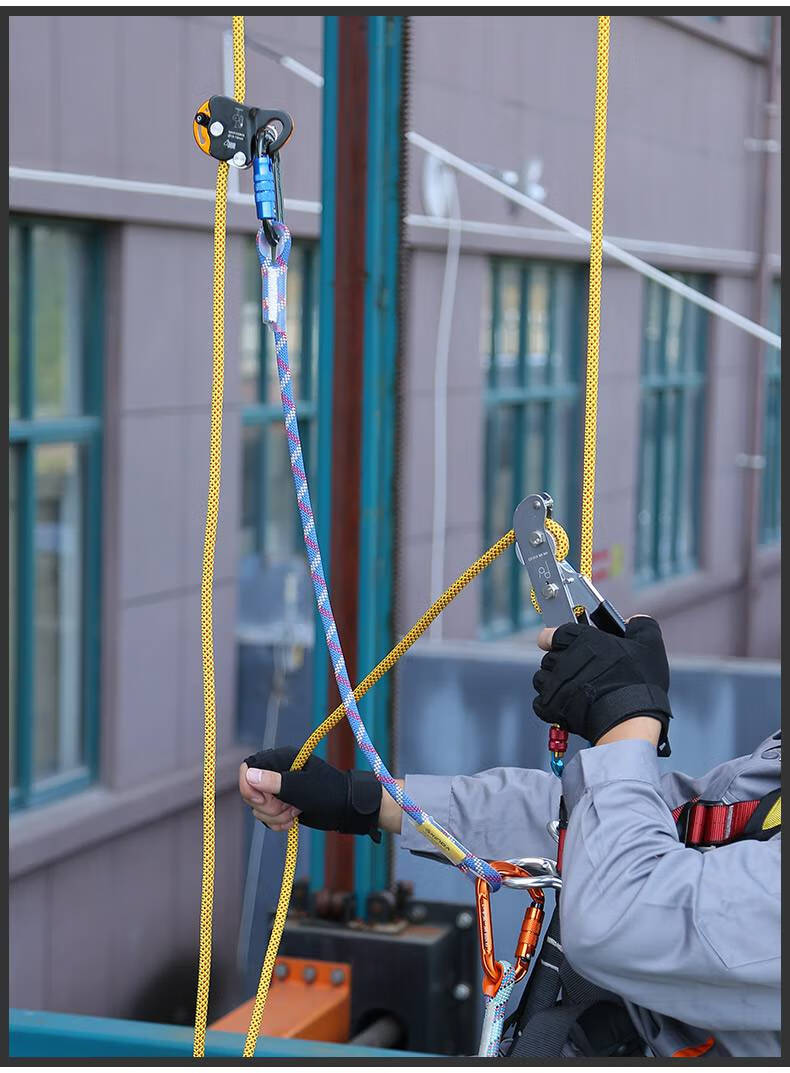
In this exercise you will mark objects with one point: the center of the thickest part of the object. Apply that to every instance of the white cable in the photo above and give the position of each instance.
(440, 386)
(645, 269)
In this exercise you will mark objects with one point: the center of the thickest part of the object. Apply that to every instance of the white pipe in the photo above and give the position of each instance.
(137, 186)
(440, 384)
(583, 235)
(744, 259)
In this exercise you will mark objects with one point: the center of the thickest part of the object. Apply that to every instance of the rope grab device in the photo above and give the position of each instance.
(238, 135)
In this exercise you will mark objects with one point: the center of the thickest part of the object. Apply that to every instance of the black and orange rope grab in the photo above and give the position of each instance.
(238, 135)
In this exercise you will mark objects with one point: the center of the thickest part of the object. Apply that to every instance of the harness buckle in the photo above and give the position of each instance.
(683, 822)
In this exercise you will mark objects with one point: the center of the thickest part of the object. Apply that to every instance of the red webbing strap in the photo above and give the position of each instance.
(713, 824)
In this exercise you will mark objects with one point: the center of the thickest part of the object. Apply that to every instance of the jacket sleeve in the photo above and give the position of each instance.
(497, 814)
(688, 934)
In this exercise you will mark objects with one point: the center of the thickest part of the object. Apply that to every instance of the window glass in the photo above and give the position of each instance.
(667, 519)
(14, 318)
(538, 325)
(508, 327)
(58, 608)
(13, 595)
(54, 519)
(250, 330)
(532, 415)
(59, 298)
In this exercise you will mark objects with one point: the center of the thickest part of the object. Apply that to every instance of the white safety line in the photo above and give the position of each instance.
(583, 235)
(440, 388)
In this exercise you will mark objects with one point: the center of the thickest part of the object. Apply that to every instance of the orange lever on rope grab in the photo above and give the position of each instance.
(528, 937)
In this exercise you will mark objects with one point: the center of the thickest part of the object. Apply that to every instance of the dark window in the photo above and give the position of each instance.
(671, 438)
(531, 352)
(55, 381)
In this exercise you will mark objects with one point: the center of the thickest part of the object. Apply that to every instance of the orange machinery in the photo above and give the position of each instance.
(308, 999)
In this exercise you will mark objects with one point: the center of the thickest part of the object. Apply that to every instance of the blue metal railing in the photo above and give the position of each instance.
(37, 1034)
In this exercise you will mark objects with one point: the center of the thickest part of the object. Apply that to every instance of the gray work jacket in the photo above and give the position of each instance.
(689, 939)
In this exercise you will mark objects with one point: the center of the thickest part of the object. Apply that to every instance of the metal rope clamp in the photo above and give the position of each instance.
(565, 595)
(248, 137)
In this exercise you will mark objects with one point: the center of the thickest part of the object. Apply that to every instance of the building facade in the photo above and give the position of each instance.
(110, 328)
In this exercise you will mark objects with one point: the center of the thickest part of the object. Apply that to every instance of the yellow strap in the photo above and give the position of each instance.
(207, 580)
(594, 307)
(774, 817)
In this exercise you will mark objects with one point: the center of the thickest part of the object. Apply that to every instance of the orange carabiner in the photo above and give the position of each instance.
(528, 936)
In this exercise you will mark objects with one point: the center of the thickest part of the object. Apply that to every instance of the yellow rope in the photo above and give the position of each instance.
(292, 846)
(594, 308)
(561, 548)
(207, 580)
(588, 497)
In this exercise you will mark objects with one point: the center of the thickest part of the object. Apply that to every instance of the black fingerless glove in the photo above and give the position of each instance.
(590, 680)
(329, 800)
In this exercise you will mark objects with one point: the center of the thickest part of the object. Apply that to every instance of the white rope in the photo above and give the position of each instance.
(440, 385)
(618, 254)
(494, 1017)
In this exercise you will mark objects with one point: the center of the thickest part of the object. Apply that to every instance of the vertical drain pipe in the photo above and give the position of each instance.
(755, 460)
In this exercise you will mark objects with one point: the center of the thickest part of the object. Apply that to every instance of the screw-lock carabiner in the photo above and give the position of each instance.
(527, 942)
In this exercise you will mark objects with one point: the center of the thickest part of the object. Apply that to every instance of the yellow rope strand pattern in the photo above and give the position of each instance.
(594, 309)
(561, 548)
(207, 579)
(292, 845)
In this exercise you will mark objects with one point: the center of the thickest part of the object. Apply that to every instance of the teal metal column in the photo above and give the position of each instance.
(382, 223)
(382, 243)
(326, 334)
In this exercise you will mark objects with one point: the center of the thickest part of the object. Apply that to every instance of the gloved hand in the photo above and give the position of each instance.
(328, 799)
(590, 681)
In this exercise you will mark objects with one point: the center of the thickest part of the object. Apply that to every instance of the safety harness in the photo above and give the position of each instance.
(708, 824)
(562, 1013)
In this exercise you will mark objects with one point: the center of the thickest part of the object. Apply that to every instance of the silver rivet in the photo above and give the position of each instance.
(216, 128)
(309, 974)
(281, 971)
(550, 591)
(464, 920)
(536, 539)
(418, 913)
(536, 504)
(461, 992)
(239, 160)
(336, 977)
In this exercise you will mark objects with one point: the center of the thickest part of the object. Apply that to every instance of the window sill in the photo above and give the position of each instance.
(40, 836)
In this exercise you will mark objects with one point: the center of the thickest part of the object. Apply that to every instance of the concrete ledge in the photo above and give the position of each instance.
(43, 835)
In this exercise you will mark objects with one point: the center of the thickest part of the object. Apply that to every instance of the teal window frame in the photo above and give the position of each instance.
(521, 398)
(262, 413)
(771, 484)
(663, 389)
(28, 431)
